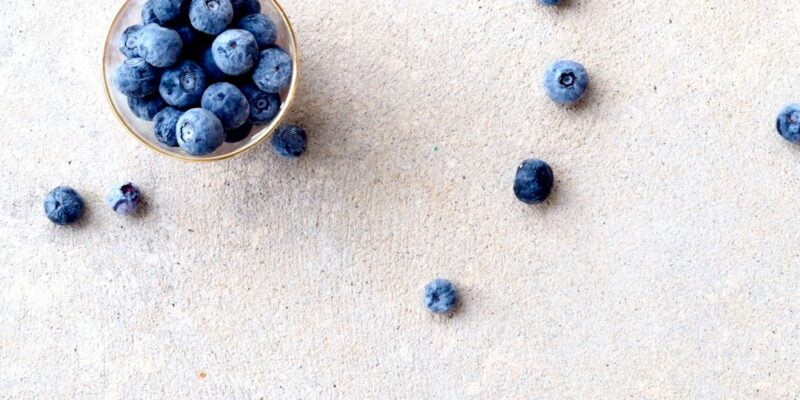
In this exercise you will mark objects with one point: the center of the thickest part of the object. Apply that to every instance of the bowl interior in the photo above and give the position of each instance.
(130, 14)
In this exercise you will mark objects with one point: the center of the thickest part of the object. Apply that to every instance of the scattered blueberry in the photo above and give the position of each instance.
(63, 205)
(125, 199)
(199, 132)
(167, 10)
(262, 28)
(550, 2)
(136, 78)
(533, 182)
(165, 123)
(238, 134)
(263, 106)
(159, 46)
(210, 16)
(789, 123)
(440, 296)
(235, 51)
(565, 82)
(245, 7)
(128, 43)
(183, 85)
(289, 141)
(146, 107)
(213, 72)
(149, 14)
(228, 103)
(274, 70)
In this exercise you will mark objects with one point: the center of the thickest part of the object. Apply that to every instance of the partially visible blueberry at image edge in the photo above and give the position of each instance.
(63, 205)
(125, 199)
(211, 17)
(146, 107)
(565, 81)
(148, 13)
(167, 10)
(289, 141)
(788, 123)
(550, 2)
(238, 134)
(440, 296)
(262, 28)
(534, 181)
(245, 7)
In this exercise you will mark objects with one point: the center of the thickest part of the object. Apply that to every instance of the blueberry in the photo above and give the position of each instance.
(183, 85)
(159, 46)
(136, 78)
(228, 103)
(245, 7)
(440, 296)
(289, 141)
(164, 126)
(274, 70)
(263, 106)
(550, 2)
(63, 205)
(565, 82)
(211, 16)
(261, 27)
(167, 10)
(147, 107)
(238, 134)
(128, 43)
(213, 72)
(235, 51)
(199, 132)
(189, 37)
(533, 182)
(149, 14)
(125, 199)
(789, 123)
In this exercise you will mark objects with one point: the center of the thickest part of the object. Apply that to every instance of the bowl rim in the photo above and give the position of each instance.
(265, 132)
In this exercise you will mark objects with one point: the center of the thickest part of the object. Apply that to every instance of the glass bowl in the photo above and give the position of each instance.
(130, 14)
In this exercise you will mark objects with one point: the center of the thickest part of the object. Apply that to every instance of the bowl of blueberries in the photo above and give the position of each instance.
(200, 80)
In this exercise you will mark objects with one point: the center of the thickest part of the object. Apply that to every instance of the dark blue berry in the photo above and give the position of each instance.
(565, 82)
(228, 103)
(199, 132)
(245, 7)
(533, 182)
(136, 78)
(440, 296)
(274, 70)
(63, 205)
(129, 41)
(159, 46)
(167, 10)
(211, 16)
(789, 123)
(189, 37)
(149, 14)
(263, 106)
(164, 126)
(125, 199)
(550, 2)
(213, 73)
(262, 28)
(183, 85)
(238, 134)
(146, 107)
(289, 141)
(235, 51)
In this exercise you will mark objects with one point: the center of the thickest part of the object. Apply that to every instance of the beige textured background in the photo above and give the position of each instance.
(665, 266)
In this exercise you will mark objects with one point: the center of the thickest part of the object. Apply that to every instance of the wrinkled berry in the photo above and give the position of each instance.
(63, 205)
(289, 141)
(440, 296)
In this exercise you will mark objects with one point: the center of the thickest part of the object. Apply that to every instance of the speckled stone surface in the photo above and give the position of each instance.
(666, 264)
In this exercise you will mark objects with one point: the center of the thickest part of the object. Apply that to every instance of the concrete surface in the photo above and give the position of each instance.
(666, 265)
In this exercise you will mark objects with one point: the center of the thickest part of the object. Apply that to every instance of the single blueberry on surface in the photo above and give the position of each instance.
(159, 46)
(235, 51)
(274, 70)
(565, 82)
(164, 126)
(63, 205)
(213, 73)
(129, 41)
(199, 132)
(210, 16)
(550, 2)
(228, 103)
(440, 296)
(183, 85)
(789, 123)
(125, 199)
(533, 182)
(167, 10)
(146, 107)
(289, 141)
(262, 28)
(149, 14)
(263, 106)
(136, 78)
(245, 7)
(238, 134)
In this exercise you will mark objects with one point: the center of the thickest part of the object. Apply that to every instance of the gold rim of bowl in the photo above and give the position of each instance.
(259, 136)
